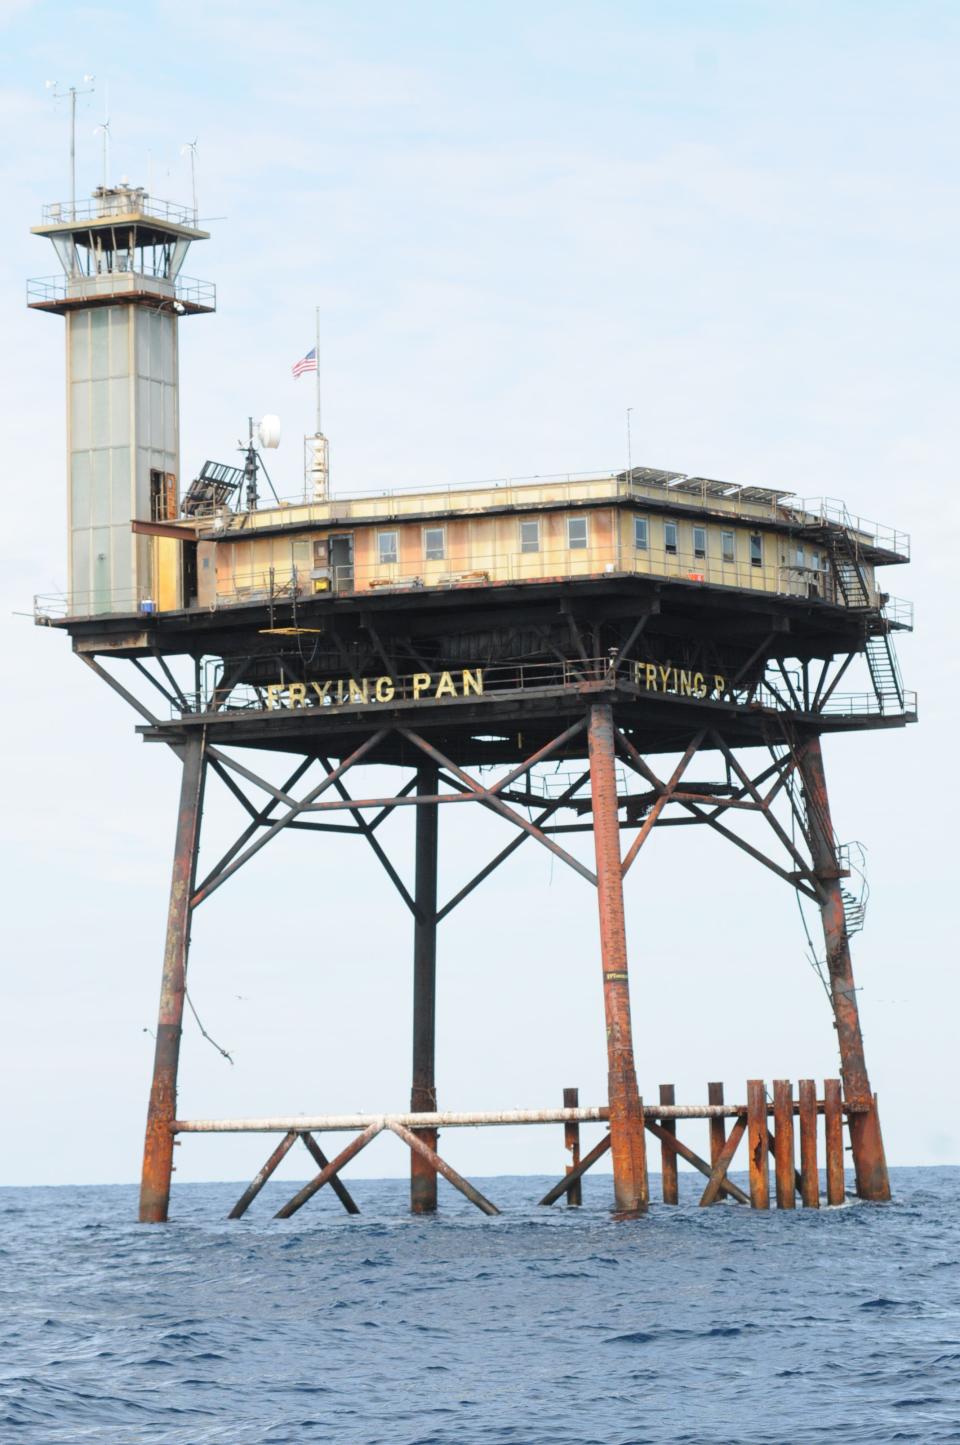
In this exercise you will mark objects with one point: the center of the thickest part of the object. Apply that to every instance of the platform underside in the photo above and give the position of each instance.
(545, 650)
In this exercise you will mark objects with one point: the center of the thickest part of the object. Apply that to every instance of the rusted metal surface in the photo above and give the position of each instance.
(722, 1163)
(758, 1144)
(571, 1142)
(574, 1175)
(262, 1175)
(328, 1172)
(423, 1091)
(162, 1109)
(809, 1172)
(685, 1152)
(833, 1140)
(418, 1145)
(717, 1126)
(869, 1160)
(783, 1143)
(336, 1183)
(668, 1156)
(630, 1185)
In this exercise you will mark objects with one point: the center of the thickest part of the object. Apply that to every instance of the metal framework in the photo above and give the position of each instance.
(803, 853)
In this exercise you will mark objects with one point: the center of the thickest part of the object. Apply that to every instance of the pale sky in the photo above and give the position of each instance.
(740, 219)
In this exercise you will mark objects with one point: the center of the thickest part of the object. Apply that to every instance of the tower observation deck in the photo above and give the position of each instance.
(603, 622)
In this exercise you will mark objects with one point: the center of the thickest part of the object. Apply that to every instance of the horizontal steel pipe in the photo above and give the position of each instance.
(332, 1123)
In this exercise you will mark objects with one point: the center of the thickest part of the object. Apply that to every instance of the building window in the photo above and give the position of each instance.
(799, 557)
(727, 547)
(640, 534)
(756, 550)
(670, 537)
(434, 544)
(530, 535)
(387, 548)
(576, 532)
(699, 541)
(815, 561)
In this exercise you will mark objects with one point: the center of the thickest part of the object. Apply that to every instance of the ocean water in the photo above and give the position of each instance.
(545, 1327)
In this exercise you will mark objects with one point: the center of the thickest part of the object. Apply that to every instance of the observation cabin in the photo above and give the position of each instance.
(572, 630)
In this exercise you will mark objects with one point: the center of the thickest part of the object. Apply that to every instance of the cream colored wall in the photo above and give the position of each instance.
(479, 547)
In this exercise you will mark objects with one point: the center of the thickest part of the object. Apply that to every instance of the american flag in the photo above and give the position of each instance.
(307, 363)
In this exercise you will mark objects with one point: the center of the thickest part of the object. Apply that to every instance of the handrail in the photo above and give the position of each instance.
(105, 208)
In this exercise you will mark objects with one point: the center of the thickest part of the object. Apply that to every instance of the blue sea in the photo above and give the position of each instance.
(542, 1326)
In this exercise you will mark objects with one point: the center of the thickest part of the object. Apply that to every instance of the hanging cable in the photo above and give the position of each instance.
(209, 1040)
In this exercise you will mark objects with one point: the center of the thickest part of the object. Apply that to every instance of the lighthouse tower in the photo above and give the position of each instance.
(122, 293)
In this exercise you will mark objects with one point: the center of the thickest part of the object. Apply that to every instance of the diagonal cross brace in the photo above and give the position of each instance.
(214, 883)
(483, 795)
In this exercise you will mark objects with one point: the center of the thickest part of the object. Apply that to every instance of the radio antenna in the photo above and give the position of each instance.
(71, 93)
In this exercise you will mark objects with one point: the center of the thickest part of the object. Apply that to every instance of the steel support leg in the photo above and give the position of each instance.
(628, 1144)
(158, 1145)
(423, 1094)
(869, 1160)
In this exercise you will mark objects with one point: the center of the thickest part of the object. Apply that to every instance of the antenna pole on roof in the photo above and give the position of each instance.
(317, 354)
(629, 447)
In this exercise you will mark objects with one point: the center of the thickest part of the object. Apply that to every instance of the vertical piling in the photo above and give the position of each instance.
(758, 1144)
(423, 1092)
(833, 1135)
(162, 1109)
(668, 1159)
(783, 1144)
(809, 1172)
(571, 1142)
(873, 1181)
(628, 1144)
(718, 1128)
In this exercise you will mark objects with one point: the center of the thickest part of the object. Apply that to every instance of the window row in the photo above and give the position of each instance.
(435, 540)
(578, 539)
(671, 542)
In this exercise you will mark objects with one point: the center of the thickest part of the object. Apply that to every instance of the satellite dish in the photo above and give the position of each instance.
(269, 431)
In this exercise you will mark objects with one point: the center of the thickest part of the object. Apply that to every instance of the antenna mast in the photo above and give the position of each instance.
(72, 91)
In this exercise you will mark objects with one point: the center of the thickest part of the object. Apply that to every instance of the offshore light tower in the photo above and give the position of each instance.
(122, 294)
(602, 623)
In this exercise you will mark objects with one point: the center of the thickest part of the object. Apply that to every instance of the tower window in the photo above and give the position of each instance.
(434, 544)
(641, 534)
(387, 550)
(530, 535)
(576, 532)
(756, 550)
(727, 547)
(699, 541)
(670, 538)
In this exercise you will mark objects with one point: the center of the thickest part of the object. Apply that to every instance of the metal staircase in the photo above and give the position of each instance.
(851, 584)
(884, 670)
(852, 857)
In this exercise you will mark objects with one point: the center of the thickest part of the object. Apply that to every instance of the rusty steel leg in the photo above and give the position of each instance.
(809, 1172)
(668, 1158)
(423, 1093)
(571, 1142)
(783, 1145)
(833, 1138)
(758, 1144)
(630, 1187)
(869, 1160)
(718, 1128)
(158, 1144)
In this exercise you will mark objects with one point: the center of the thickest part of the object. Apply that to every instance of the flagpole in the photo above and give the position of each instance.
(317, 344)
